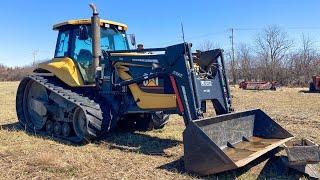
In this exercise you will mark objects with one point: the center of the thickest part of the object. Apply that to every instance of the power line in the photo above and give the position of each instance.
(238, 29)
(201, 36)
(302, 28)
(292, 28)
(208, 34)
(194, 37)
(247, 29)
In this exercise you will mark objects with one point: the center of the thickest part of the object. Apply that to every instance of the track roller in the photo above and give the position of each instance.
(65, 129)
(49, 127)
(57, 128)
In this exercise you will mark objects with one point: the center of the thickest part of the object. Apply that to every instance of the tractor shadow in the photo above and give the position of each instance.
(12, 127)
(16, 126)
(131, 141)
(309, 92)
(267, 166)
(139, 143)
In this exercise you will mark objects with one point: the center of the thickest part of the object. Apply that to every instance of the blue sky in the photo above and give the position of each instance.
(27, 25)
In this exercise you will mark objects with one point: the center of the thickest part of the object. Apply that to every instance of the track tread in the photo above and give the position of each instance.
(92, 109)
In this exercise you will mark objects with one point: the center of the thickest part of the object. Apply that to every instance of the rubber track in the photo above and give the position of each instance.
(91, 109)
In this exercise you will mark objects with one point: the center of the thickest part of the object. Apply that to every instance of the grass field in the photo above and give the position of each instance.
(145, 155)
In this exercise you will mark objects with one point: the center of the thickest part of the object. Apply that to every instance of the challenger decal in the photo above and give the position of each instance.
(146, 60)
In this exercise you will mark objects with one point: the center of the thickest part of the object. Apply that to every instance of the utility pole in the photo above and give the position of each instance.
(34, 54)
(182, 31)
(233, 71)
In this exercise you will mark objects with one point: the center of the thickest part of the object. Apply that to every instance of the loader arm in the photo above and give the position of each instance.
(191, 90)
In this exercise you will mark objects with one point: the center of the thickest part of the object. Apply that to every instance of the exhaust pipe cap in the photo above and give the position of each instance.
(94, 9)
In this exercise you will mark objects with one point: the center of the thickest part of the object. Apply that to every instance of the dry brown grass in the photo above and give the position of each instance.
(142, 155)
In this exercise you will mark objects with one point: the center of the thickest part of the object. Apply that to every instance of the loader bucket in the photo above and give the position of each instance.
(230, 141)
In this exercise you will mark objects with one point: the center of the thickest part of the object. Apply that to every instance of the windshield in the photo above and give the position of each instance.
(111, 39)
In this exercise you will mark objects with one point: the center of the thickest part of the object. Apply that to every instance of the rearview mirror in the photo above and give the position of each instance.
(83, 32)
(132, 39)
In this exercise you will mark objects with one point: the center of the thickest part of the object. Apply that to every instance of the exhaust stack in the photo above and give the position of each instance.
(95, 27)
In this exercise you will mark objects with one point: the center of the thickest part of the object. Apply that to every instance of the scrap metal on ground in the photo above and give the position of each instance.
(303, 155)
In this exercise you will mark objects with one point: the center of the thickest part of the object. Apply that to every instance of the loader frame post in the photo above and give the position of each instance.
(193, 78)
(225, 83)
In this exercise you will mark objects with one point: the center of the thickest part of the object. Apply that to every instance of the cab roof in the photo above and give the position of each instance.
(103, 23)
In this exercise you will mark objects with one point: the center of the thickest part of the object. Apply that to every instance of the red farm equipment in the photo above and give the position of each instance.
(315, 84)
(258, 85)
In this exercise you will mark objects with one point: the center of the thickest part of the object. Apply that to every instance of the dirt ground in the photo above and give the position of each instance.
(146, 155)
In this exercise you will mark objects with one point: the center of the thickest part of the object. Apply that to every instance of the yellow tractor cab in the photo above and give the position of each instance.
(72, 61)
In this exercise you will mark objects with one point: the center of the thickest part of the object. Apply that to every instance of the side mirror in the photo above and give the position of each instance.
(83, 32)
(132, 39)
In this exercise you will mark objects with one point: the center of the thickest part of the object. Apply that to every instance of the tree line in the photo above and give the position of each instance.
(275, 57)
(272, 56)
(14, 73)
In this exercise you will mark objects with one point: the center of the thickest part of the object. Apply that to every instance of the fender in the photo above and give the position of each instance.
(65, 69)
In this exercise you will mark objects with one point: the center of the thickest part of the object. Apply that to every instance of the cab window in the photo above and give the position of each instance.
(62, 44)
(83, 50)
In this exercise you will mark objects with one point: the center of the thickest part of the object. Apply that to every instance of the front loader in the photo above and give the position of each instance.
(95, 83)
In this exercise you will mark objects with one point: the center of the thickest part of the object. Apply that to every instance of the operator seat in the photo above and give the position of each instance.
(84, 60)
(84, 57)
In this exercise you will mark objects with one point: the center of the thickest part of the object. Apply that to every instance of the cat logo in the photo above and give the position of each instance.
(151, 82)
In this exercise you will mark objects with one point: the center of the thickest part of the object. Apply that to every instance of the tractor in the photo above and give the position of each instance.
(96, 83)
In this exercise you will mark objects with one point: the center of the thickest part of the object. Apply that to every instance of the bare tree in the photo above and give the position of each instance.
(244, 57)
(272, 45)
(207, 45)
(232, 67)
(272, 59)
(308, 57)
(303, 61)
